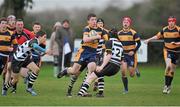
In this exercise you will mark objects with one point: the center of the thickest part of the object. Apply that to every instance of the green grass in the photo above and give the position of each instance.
(144, 91)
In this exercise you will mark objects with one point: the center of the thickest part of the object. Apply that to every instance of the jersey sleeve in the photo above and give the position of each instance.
(86, 31)
(136, 37)
(105, 35)
(160, 34)
(32, 42)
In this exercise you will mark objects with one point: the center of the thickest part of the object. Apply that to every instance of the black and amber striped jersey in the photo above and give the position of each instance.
(128, 39)
(170, 36)
(101, 44)
(88, 31)
(6, 42)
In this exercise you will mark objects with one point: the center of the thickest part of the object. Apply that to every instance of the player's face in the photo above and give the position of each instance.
(36, 28)
(19, 25)
(171, 24)
(3, 25)
(92, 22)
(100, 24)
(42, 39)
(126, 24)
(66, 25)
(12, 22)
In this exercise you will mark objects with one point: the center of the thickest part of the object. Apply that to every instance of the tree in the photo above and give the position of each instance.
(15, 7)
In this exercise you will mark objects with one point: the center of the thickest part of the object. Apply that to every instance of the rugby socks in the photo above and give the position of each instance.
(14, 86)
(83, 89)
(73, 80)
(8, 85)
(168, 80)
(31, 79)
(84, 79)
(101, 85)
(125, 83)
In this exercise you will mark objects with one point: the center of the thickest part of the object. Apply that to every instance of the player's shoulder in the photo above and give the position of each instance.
(86, 28)
(133, 31)
(165, 28)
(120, 31)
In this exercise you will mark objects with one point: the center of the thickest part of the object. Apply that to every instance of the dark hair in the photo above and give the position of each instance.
(90, 15)
(3, 19)
(65, 21)
(113, 33)
(100, 20)
(40, 33)
(36, 23)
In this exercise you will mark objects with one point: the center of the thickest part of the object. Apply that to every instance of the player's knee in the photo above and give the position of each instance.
(37, 69)
(15, 80)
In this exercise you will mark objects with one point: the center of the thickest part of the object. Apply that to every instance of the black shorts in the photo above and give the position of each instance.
(171, 55)
(3, 62)
(109, 70)
(16, 65)
(37, 60)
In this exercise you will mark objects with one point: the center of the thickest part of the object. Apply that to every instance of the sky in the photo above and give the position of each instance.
(40, 5)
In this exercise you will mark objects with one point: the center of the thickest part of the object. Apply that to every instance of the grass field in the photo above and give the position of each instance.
(143, 91)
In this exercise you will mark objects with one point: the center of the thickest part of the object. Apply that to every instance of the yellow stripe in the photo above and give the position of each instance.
(137, 39)
(171, 35)
(78, 54)
(125, 38)
(171, 46)
(5, 48)
(92, 45)
(5, 38)
(14, 41)
(129, 47)
(105, 37)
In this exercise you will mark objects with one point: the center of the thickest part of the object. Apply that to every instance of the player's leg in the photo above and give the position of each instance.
(56, 68)
(137, 72)
(16, 66)
(32, 77)
(74, 79)
(170, 60)
(83, 90)
(124, 77)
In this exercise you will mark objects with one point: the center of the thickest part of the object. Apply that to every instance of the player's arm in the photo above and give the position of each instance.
(175, 43)
(138, 42)
(157, 36)
(107, 55)
(87, 38)
(14, 42)
(34, 45)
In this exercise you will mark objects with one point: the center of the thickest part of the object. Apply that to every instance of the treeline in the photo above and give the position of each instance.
(149, 17)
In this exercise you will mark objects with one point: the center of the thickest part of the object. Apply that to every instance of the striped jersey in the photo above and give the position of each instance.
(169, 36)
(116, 49)
(88, 31)
(6, 42)
(128, 39)
(25, 50)
(101, 44)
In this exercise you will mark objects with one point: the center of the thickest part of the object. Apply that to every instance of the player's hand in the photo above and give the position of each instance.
(175, 43)
(98, 68)
(131, 53)
(49, 52)
(10, 49)
(98, 36)
(146, 41)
